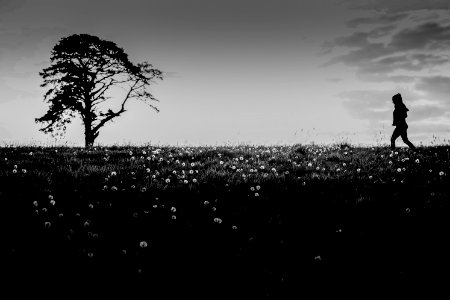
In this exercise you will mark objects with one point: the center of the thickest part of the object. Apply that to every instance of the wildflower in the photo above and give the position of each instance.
(133, 187)
(417, 161)
(87, 223)
(430, 170)
(338, 170)
(274, 170)
(24, 171)
(192, 164)
(206, 202)
(370, 176)
(191, 172)
(143, 189)
(52, 202)
(174, 217)
(91, 206)
(234, 227)
(309, 164)
(358, 170)
(390, 162)
(252, 189)
(167, 180)
(133, 173)
(15, 166)
(131, 153)
(47, 224)
(173, 209)
(194, 180)
(217, 220)
(105, 187)
(241, 158)
(441, 173)
(113, 173)
(382, 156)
(256, 194)
(262, 167)
(6, 159)
(143, 244)
(133, 158)
(35, 203)
(233, 167)
(113, 188)
(399, 170)
(14, 171)
(31, 153)
(185, 181)
(221, 162)
(344, 164)
(258, 187)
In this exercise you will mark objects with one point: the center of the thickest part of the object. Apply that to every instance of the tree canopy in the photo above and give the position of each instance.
(83, 69)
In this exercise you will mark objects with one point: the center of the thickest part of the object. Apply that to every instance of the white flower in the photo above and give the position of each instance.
(185, 181)
(191, 171)
(14, 171)
(113, 173)
(113, 188)
(15, 166)
(256, 194)
(241, 158)
(217, 220)
(234, 227)
(390, 162)
(252, 189)
(441, 173)
(143, 244)
(194, 180)
(167, 180)
(221, 162)
(173, 209)
(262, 167)
(358, 170)
(24, 171)
(309, 164)
(417, 161)
(35, 203)
(399, 170)
(192, 164)
(52, 202)
(258, 187)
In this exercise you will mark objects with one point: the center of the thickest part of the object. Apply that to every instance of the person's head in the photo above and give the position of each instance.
(397, 99)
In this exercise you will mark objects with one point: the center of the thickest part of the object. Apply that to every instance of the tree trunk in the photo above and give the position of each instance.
(89, 136)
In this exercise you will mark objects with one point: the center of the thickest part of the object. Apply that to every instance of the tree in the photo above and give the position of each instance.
(83, 71)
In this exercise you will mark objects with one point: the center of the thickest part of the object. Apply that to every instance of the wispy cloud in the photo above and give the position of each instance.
(396, 6)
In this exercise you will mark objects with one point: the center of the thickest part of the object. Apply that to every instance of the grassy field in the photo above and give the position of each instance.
(243, 220)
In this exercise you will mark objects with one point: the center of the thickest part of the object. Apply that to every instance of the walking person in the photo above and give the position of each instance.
(400, 114)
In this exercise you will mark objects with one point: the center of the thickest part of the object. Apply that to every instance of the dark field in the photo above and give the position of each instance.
(225, 221)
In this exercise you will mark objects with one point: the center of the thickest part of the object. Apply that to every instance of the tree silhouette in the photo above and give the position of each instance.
(83, 69)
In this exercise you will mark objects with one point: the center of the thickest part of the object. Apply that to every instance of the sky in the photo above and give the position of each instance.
(243, 71)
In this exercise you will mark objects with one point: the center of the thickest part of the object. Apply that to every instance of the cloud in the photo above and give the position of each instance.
(383, 18)
(412, 49)
(430, 35)
(435, 88)
(396, 6)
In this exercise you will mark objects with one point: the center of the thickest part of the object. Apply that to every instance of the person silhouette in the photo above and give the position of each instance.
(400, 114)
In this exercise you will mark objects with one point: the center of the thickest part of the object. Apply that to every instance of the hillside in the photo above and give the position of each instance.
(254, 220)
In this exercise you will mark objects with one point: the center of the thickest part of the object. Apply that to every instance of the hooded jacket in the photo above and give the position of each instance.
(400, 114)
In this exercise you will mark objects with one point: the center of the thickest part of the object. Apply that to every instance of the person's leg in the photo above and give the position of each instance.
(394, 136)
(405, 139)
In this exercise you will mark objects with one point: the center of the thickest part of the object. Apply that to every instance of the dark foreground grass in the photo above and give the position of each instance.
(225, 221)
